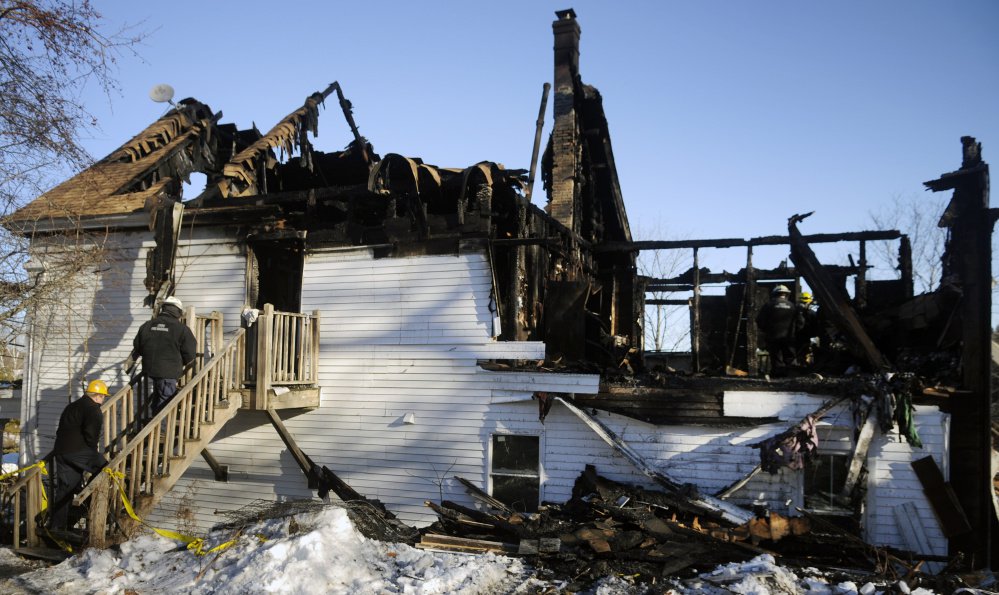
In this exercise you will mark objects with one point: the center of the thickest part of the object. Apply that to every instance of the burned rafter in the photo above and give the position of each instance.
(246, 172)
(821, 238)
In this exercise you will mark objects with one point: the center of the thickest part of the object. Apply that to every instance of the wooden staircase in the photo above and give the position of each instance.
(150, 461)
(149, 454)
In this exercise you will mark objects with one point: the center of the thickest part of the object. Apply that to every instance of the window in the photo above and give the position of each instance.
(824, 478)
(515, 472)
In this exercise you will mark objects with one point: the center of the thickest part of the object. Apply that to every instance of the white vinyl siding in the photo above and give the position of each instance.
(88, 334)
(891, 481)
(398, 336)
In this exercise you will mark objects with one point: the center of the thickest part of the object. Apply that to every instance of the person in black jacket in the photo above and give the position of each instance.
(76, 449)
(166, 345)
(779, 319)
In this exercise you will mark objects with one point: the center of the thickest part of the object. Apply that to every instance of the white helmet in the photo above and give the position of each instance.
(174, 301)
(781, 289)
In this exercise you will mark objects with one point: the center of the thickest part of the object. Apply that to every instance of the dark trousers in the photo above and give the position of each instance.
(163, 390)
(781, 354)
(66, 482)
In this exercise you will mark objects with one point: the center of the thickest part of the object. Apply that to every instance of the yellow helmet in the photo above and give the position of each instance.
(97, 386)
(805, 298)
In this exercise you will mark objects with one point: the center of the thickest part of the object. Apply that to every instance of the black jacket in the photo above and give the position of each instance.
(166, 346)
(778, 319)
(79, 427)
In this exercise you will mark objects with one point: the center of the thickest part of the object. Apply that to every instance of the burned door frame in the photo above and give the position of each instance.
(258, 274)
(291, 242)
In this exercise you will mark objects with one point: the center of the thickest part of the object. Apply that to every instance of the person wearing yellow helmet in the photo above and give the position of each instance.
(808, 319)
(76, 449)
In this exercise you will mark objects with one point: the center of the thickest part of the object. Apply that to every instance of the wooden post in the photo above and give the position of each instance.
(97, 521)
(905, 265)
(537, 139)
(861, 285)
(217, 331)
(17, 519)
(968, 255)
(34, 505)
(695, 326)
(265, 336)
(752, 343)
(314, 350)
(191, 319)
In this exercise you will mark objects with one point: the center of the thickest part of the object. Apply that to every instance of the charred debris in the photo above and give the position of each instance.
(566, 274)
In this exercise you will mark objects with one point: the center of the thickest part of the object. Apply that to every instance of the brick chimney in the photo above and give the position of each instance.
(565, 134)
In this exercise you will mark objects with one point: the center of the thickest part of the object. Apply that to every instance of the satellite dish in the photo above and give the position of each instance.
(161, 93)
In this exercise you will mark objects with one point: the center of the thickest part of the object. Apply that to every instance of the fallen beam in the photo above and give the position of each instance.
(707, 504)
(837, 308)
(860, 450)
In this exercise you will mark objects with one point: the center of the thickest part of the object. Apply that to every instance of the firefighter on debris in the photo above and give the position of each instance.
(778, 319)
(808, 319)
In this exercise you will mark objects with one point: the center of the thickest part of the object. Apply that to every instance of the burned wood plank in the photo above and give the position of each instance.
(537, 139)
(221, 471)
(461, 544)
(943, 499)
(837, 308)
(483, 517)
(445, 513)
(860, 449)
(480, 495)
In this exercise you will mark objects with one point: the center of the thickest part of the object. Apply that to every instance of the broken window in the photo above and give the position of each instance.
(824, 479)
(515, 472)
(825, 474)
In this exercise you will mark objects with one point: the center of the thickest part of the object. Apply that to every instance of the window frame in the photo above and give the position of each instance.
(491, 471)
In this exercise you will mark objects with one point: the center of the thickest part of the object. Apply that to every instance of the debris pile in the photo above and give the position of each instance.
(609, 528)
(605, 528)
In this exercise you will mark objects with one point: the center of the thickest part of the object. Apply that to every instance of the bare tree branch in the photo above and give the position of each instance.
(50, 51)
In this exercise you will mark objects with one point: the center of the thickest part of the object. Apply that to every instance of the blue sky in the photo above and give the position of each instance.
(726, 117)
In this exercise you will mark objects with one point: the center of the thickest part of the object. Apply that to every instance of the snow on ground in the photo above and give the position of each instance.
(322, 552)
(316, 553)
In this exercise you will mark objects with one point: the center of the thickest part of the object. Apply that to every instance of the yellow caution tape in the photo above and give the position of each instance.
(195, 544)
(42, 469)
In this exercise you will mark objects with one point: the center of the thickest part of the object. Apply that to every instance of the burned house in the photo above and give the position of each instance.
(398, 325)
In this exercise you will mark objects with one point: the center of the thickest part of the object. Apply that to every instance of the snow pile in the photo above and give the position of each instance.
(762, 576)
(311, 553)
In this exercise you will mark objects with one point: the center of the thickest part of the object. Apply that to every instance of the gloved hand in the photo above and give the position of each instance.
(129, 365)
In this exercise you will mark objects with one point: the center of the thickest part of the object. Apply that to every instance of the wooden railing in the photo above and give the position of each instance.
(287, 351)
(123, 414)
(127, 408)
(173, 437)
(24, 497)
